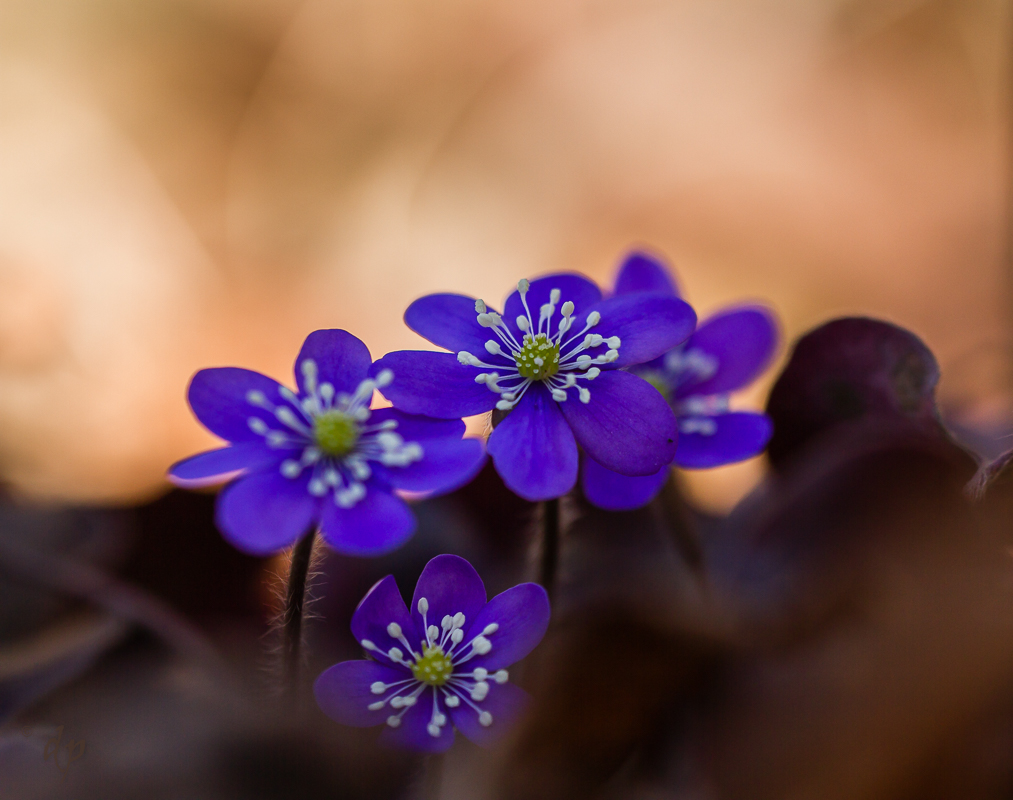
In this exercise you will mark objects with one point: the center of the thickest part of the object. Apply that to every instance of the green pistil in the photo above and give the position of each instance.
(658, 382)
(335, 433)
(433, 668)
(538, 359)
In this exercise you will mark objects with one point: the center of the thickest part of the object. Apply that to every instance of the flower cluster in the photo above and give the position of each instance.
(320, 456)
(629, 379)
(554, 359)
(726, 352)
(440, 667)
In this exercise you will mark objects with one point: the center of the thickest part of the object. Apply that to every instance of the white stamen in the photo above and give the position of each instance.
(433, 729)
(393, 720)
(480, 307)
(479, 691)
(394, 630)
(423, 606)
(395, 654)
(481, 645)
(379, 687)
(493, 348)
(452, 701)
(523, 324)
(257, 425)
(501, 676)
(479, 674)
(377, 705)
(485, 719)
(290, 468)
(490, 629)
(384, 378)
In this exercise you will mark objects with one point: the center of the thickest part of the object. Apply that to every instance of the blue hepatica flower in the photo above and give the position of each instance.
(552, 360)
(441, 667)
(727, 352)
(320, 456)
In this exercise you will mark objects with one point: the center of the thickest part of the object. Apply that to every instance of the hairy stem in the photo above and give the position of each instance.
(432, 779)
(295, 602)
(549, 555)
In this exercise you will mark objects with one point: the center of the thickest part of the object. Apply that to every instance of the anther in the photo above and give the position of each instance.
(377, 705)
(480, 691)
(393, 720)
(485, 719)
(501, 676)
(593, 318)
(385, 377)
(554, 296)
(490, 629)
(481, 645)
(480, 674)
(433, 729)
(452, 701)
(523, 286)
(394, 630)
(395, 654)
(255, 397)
(423, 606)
(480, 307)
(493, 348)
(567, 309)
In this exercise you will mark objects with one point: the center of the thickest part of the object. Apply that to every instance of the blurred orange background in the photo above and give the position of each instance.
(189, 183)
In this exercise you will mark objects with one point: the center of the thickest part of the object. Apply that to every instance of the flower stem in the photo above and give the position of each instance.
(549, 556)
(432, 780)
(295, 601)
(680, 523)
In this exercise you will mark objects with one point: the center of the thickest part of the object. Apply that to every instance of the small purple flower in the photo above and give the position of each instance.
(441, 667)
(727, 352)
(320, 456)
(553, 360)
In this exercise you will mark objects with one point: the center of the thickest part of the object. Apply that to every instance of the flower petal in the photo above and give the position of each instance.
(738, 436)
(505, 702)
(450, 585)
(342, 360)
(378, 523)
(214, 466)
(446, 465)
(343, 692)
(434, 384)
(742, 340)
(413, 734)
(615, 492)
(522, 617)
(627, 427)
(381, 606)
(648, 325)
(581, 291)
(265, 512)
(533, 448)
(642, 272)
(418, 428)
(218, 399)
(449, 321)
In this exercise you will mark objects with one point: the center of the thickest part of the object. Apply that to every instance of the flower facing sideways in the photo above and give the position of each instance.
(440, 667)
(726, 352)
(553, 361)
(320, 456)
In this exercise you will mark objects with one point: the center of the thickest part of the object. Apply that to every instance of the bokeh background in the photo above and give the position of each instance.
(188, 183)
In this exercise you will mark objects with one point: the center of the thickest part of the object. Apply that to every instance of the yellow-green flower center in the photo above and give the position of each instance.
(658, 382)
(538, 357)
(433, 668)
(335, 432)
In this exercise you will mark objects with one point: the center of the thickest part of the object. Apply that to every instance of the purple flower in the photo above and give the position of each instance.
(553, 360)
(320, 456)
(727, 352)
(441, 667)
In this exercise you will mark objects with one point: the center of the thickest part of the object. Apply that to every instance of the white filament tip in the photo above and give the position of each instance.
(480, 307)
(501, 676)
(554, 296)
(523, 285)
(394, 630)
(423, 606)
(393, 720)
(485, 719)
(593, 318)
(378, 688)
